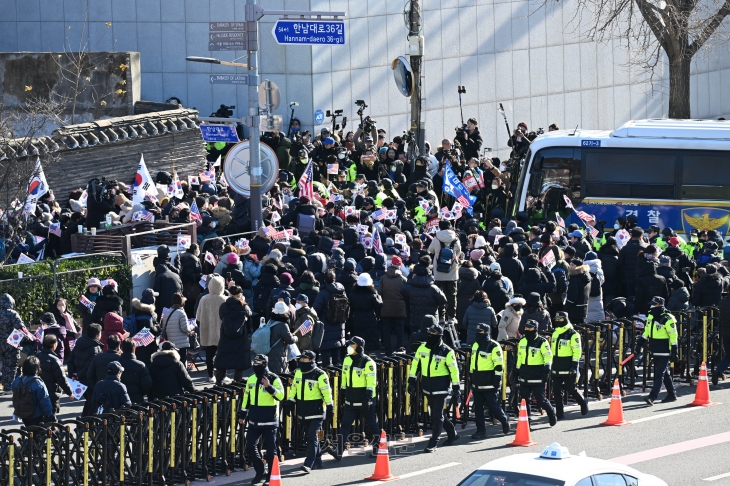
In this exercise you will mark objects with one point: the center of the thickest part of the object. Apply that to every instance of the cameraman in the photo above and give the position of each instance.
(300, 142)
(469, 139)
(520, 141)
(366, 130)
(279, 144)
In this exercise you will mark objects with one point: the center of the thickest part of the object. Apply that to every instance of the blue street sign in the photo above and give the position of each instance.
(318, 117)
(310, 32)
(219, 133)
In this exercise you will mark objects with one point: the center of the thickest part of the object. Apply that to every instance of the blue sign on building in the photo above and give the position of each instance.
(310, 32)
(219, 133)
(318, 117)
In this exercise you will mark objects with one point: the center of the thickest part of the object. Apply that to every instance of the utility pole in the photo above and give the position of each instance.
(415, 46)
(255, 198)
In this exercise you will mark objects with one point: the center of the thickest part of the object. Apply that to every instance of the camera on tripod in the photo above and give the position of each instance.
(407, 137)
(224, 112)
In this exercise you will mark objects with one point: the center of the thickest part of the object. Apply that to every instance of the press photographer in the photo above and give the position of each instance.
(469, 138)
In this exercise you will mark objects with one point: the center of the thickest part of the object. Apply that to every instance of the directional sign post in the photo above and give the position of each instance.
(228, 79)
(232, 36)
(309, 32)
(219, 133)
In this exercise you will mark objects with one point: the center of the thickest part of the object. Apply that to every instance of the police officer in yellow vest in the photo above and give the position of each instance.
(311, 393)
(534, 358)
(661, 333)
(439, 380)
(260, 406)
(486, 369)
(566, 349)
(358, 383)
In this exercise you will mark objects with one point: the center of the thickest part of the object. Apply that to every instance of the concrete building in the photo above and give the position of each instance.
(530, 59)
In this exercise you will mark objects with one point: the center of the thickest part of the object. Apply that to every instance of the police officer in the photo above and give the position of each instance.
(358, 383)
(439, 373)
(661, 333)
(566, 349)
(311, 393)
(260, 406)
(486, 370)
(534, 358)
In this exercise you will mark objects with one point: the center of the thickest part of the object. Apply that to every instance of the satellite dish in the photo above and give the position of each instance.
(403, 75)
(275, 95)
(236, 168)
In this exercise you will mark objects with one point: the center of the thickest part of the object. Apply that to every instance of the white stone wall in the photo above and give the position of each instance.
(531, 60)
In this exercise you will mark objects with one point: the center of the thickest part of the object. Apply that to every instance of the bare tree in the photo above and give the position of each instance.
(21, 145)
(653, 28)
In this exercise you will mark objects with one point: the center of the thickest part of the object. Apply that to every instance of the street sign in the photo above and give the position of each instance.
(225, 36)
(228, 45)
(219, 133)
(318, 117)
(228, 79)
(233, 36)
(229, 27)
(309, 32)
(269, 94)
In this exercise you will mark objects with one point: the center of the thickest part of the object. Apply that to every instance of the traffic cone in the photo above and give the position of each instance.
(616, 411)
(275, 478)
(702, 395)
(382, 463)
(522, 436)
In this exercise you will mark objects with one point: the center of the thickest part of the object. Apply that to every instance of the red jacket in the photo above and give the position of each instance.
(113, 325)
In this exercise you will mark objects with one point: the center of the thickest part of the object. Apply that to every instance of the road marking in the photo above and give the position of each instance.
(672, 449)
(666, 414)
(426, 471)
(719, 476)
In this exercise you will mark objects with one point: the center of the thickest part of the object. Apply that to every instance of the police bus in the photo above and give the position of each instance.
(671, 173)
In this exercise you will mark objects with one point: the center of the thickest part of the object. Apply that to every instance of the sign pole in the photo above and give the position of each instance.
(255, 203)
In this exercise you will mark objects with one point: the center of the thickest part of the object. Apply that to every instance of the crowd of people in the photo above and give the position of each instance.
(377, 252)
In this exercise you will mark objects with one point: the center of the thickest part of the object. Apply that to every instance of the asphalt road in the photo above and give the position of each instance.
(682, 445)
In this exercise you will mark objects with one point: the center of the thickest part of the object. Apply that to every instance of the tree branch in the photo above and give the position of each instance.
(709, 29)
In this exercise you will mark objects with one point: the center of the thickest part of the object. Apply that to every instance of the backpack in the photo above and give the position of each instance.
(132, 323)
(261, 338)
(23, 401)
(305, 223)
(317, 335)
(338, 309)
(595, 286)
(446, 257)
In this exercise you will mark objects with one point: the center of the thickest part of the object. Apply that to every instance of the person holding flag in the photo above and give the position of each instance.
(304, 324)
(37, 187)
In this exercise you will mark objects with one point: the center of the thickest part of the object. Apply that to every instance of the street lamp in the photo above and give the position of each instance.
(212, 60)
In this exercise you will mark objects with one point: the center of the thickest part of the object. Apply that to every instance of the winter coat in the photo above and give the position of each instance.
(232, 272)
(43, 405)
(113, 326)
(334, 332)
(190, 272)
(724, 307)
(608, 255)
(311, 292)
(169, 376)
(511, 267)
(60, 333)
(668, 273)
(82, 356)
(422, 297)
(539, 314)
(281, 338)
(509, 320)
(477, 312)
(262, 292)
(208, 316)
(234, 347)
(468, 284)
(389, 288)
(136, 377)
(595, 302)
(442, 240)
(579, 290)
(301, 315)
(679, 300)
(104, 305)
(648, 285)
(298, 258)
(534, 280)
(9, 321)
(581, 248)
(53, 375)
(177, 328)
(166, 283)
(143, 309)
(111, 393)
(495, 288)
(97, 368)
(708, 290)
(365, 306)
(628, 259)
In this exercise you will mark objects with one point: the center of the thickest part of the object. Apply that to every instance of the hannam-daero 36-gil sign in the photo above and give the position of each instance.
(309, 32)
(219, 133)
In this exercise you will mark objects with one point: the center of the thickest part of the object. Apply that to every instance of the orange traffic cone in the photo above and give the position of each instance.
(702, 395)
(275, 478)
(522, 436)
(382, 463)
(616, 412)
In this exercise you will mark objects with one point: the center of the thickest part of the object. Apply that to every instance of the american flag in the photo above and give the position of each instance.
(584, 216)
(148, 216)
(143, 338)
(305, 327)
(38, 334)
(306, 187)
(195, 214)
(269, 230)
(377, 244)
(55, 229)
(548, 260)
(379, 215)
(593, 231)
(561, 221)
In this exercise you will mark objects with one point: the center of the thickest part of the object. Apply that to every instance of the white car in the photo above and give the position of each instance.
(555, 466)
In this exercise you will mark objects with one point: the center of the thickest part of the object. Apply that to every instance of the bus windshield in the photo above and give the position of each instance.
(555, 172)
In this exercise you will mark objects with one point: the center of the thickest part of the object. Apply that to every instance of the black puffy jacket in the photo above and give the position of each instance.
(608, 254)
(422, 297)
(534, 282)
(298, 259)
(169, 376)
(628, 259)
(579, 290)
(136, 377)
(190, 272)
(511, 267)
(334, 332)
(105, 304)
(468, 284)
(365, 307)
(708, 290)
(166, 283)
(648, 285)
(97, 368)
(52, 375)
(494, 287)
(234, 346)
(81, 357)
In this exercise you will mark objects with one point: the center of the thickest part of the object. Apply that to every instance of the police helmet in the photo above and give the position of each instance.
(483, 328)
(531, 325)
(435, 329)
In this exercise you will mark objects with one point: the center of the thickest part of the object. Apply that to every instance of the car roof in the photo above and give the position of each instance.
(571, 468)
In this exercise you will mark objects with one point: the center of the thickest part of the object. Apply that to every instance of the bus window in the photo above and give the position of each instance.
(558, 174)
(624, 174)
(706, 176)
